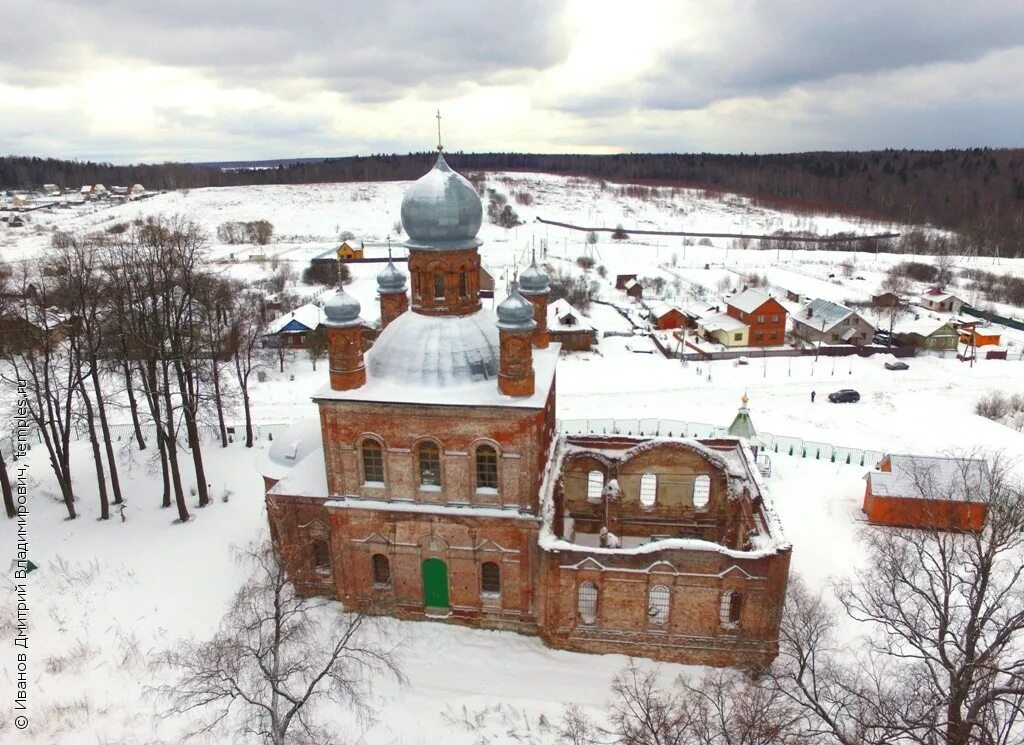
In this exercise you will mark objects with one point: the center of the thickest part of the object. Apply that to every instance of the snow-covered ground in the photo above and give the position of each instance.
(109, 594)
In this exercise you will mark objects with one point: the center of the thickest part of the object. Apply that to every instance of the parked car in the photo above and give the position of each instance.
(896, 365)
(845, 396)
(882, 337)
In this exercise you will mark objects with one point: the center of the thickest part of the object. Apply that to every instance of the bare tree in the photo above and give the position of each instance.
(945, 613)
(897, 283)
(316, 344)
(273, 663)
(245, 347)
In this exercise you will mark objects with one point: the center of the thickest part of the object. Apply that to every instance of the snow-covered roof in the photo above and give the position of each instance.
(938, 296)
(309, 315)
(923, 326)
(630, 284)
(822, 314)
(749, 300)
(721, 322)
(290, 448)
(458, 391)
(920, 477)
(662, 309)
(698, 310)
(560, 311)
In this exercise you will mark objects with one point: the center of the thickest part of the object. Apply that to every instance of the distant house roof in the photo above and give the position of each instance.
(630, 284)
(309, 316)
(721, 322)
(938, 296)
(920, 477)
(822, 314)
(749, 300)
(564, 317)
(698, 310)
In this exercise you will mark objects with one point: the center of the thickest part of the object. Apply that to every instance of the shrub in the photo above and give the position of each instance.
(992, 406)
(619, 234)
(524, 198)
(323, 273)
(585, 262)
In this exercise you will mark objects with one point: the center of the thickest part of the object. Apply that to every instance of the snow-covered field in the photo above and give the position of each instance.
(110, 594)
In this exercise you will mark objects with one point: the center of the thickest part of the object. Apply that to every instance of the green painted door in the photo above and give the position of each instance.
(435, 584)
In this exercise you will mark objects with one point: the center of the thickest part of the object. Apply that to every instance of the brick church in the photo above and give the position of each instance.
(434, 484)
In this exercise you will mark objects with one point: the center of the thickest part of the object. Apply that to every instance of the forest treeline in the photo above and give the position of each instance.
(976, 192)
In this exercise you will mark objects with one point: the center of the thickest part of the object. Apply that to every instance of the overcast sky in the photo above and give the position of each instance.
(153, 80)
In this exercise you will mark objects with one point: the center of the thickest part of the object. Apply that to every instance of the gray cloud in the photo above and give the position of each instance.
(369, 50)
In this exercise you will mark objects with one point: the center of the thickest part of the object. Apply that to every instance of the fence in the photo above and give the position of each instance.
(794, 446)
(1013, 324)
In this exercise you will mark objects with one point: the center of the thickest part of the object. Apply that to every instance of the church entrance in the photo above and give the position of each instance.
(435, 584)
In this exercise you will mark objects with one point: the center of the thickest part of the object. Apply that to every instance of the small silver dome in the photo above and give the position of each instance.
(533, 280)
(515, 311)
(390, 279)
(342, 309)
(441, 210)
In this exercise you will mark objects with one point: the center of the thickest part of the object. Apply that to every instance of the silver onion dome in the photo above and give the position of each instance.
(441, 210)
(515, 311)
(533, 280)
(342, 309)
(390, 280)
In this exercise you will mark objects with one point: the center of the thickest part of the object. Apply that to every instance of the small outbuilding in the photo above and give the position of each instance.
(292, 330)
(570, 328)
(634, 289)
(622, 279)
(913, 491)
(665, 316)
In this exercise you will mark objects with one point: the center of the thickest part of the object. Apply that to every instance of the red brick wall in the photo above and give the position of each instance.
(939, 514)
(769, 308)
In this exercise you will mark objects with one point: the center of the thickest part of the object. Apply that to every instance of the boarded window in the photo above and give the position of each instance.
(729, 610)
(430, 464)
(657, 605)
(381, 570)
(373, 462)
(701, 491)
(648, 490)
(438, 286)
(490, 578)
(321, 557)
(586, 603)
(486, 467)
(595, 485)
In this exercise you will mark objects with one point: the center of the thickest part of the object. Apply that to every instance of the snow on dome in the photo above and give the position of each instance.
(515, 311)
(533, 280)
(436, 351)
(390, 279)
(441, 210)
(342, 309)
(291, 447)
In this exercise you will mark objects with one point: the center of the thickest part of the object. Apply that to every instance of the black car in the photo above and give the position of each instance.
(845, 396)
(896, 365)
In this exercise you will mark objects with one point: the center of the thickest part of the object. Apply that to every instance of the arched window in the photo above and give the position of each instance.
(373, 462)
(381, 570)
(463, 285)
(490, 578)
(486, 468)
(595, 485)
(657, 605)
(321, 556)
(648, 490)
(701, 491)
(429, 464)
(729, 610)
(586, 603)
(438, 286)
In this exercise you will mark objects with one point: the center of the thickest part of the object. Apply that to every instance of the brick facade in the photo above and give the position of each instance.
(767, 323)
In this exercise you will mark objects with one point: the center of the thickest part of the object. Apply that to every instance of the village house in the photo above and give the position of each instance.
(885, 300)
(665, 316)
(292, 330)
(926, 333)
(724, 329)
(435, 486)
(570, 328)
(764, 316)
(634, 289)
(825, 322)
(940, 301)
(622, 279)
(913, 491)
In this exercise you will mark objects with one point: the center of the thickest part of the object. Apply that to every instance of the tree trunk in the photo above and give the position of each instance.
(149, 388)
(171, 445)
(97, 456)
(132, 404)
(243, 385)
(217, 401)
(189, 401)
(5, 487)
(115, 482)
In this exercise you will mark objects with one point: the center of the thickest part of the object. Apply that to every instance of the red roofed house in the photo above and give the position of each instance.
(940, 300)
(665, 316)
(913, 491)
(763, 314)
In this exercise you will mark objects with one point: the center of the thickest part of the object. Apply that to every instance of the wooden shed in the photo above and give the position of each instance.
(913, 491)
